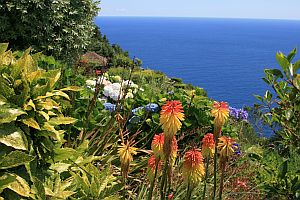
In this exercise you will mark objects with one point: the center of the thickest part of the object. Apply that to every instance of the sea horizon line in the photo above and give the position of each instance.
(196, 17)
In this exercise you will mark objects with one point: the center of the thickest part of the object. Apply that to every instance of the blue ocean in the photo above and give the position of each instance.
(226, 57)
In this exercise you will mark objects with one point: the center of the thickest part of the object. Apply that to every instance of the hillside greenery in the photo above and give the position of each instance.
(74, 129)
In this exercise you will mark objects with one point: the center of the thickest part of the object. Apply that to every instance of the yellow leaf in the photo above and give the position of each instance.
(26, 63)
(31, 122)
(50, 113)
(20, 186)
(71, 88)
(48, 127)
(62, 120)
(29, 105)
(34, 75)
(49, 104)
(45, 115)
(60, 93)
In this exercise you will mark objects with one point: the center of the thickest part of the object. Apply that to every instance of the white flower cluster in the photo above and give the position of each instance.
(115, 90)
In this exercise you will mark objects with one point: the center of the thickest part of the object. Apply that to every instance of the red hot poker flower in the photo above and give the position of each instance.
(208, 145)
(193, 168)
(171, 116)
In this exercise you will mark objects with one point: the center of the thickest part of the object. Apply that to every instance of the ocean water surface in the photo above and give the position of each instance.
(224, 56)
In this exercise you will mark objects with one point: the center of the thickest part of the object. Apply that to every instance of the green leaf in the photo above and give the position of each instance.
(5, 180)
(283, 169)
(60, 167)
(8, 115)
(258, 97)
(3, 47)
(268, 96)
(296, 66)
(276, 72)
(31, 123)
(64, 154)
(38, 188)
(62, 120)
(283, 62)
(292, 54)
(14, 159)
(12, 136)
(72, 88)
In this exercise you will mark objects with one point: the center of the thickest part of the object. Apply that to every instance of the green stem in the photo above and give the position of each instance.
(223, 161)
(163, 180)
(205, 179)
(153, 181)
(189, 191)
(215, 173)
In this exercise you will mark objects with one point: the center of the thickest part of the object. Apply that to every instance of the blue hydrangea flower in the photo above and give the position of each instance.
(244, 114)
(110, 107)
(236, 148)
(152, 107)
(238, 113)
(234, 112)
(136, 109)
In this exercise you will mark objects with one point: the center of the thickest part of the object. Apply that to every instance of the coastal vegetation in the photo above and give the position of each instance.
(80, 119)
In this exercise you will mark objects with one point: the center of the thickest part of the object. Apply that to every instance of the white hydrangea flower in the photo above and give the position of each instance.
(115, 95)
(108, 90)
(116, 86)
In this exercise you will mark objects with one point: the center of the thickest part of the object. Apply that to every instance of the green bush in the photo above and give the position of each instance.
(60, 28)
(282, 113)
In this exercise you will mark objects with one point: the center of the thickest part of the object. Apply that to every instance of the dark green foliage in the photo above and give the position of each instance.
(280, 109)
(60, 28)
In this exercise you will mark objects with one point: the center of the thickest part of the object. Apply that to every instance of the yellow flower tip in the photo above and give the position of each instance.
(225, 146)
(157, 145)
(152, 166)
(171, 116)
(220, 110)
(193, 167)
(208, 145)
(126, 153)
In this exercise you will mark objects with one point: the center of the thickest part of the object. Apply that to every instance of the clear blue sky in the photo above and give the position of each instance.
(266, 9)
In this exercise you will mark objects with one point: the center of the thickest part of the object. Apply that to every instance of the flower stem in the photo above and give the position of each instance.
(223, 162)
(215, 173)
(205, 179)
(153, 181)
(189, 191)
(163, 180)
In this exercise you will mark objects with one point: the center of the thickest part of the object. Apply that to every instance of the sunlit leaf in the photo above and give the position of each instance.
(60, 167)
(29, 105)
(14, 159)
(12, 136)
(72, 88)
(20, 186)
(8, 115)
(31, 123)
(3, 47)
(45, 115)
(62, 120)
